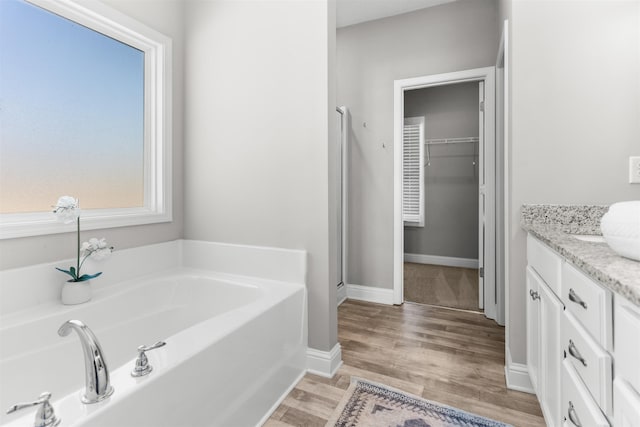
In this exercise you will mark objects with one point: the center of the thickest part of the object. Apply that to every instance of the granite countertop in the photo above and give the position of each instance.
(552, 224)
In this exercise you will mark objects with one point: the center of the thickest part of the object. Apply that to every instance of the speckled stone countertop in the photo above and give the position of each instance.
(552, 225)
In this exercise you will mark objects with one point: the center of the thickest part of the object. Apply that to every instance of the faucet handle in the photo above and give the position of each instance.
(142, 367)
(144, 348)
(45, 416)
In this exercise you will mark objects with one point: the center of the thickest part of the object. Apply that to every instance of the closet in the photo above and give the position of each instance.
(442, 139)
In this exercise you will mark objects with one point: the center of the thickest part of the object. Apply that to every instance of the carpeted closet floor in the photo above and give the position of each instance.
(454, 287)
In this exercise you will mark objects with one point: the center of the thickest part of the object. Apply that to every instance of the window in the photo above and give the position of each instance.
(413, 172)
(85, 98)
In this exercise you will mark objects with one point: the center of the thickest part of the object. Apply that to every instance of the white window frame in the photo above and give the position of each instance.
(157, 50)
(419, 221)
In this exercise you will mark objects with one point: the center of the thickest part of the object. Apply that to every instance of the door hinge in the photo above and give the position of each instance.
(481, 105)
(481, 272)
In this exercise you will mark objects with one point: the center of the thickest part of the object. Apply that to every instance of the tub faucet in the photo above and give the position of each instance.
(97, 386)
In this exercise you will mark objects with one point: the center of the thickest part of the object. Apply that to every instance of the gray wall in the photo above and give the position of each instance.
(370, 56)
(165, 16)
(451, 180)
(260, 113)
(575, 108)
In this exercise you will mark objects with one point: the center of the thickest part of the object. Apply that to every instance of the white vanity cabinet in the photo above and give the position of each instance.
(583, 345)
(533, 327)
(569, 340)
(626, 386)
(551, 353)
(589, 303)
(627, 404)
(544, 317)
(579, 408)
(590, 361)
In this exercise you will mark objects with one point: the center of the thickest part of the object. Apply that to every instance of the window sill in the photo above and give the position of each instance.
(43, 223)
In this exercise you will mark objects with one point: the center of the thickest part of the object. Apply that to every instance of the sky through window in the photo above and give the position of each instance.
(71, 114)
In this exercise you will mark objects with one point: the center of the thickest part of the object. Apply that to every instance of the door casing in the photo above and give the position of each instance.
(486, 75)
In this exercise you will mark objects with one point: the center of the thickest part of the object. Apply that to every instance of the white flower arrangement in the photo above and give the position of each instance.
(67, 210)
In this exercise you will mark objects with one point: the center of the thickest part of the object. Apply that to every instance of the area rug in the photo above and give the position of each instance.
(367, 404)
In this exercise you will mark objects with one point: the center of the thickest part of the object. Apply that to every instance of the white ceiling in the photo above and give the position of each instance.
(351, 12)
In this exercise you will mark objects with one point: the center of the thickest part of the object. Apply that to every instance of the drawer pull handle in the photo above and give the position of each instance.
(573, 415)
(534, 294)
(573, 350)
(575, 298)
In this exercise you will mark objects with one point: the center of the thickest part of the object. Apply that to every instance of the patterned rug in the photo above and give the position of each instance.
(368, 404)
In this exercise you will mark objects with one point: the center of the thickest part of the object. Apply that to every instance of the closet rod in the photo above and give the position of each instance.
(440, 141)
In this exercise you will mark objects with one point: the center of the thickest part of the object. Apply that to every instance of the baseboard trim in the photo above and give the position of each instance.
(517, 376)
(342, 294)
(441, 260)
(370, 294)
(324, 363)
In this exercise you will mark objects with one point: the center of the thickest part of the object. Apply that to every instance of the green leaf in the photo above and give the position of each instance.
(73, 276)
(86, 277)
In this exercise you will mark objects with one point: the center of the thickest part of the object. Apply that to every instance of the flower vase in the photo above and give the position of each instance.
(76, 292)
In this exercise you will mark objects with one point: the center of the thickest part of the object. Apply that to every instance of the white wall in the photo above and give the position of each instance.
(451, 180)
(575, 115)
(165, 16)
(260, 111)
(452, 37)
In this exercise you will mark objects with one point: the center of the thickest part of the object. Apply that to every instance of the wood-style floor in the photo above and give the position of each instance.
(448, 356)
(454, 287)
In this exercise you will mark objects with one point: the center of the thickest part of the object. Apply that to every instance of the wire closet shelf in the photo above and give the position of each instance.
(444, 141)
(466, 140)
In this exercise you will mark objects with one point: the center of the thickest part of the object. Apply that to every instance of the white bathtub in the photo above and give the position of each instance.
(234, 346)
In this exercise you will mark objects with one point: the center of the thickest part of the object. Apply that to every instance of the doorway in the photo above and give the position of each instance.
(441, 248)
(485, 78)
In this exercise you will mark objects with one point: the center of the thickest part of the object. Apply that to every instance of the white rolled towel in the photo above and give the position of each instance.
(621, 228)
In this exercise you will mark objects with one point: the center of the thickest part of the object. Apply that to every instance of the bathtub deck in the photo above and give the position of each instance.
(452, 357)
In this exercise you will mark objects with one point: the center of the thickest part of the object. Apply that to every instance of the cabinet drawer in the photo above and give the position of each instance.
(590, 361)
(627, 406)
(545, 262)
(627, 341)
(578, 407)
(590, 304)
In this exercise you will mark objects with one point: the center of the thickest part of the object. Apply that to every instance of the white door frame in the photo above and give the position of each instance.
(486, 74)
(482, 164)
(502, 145)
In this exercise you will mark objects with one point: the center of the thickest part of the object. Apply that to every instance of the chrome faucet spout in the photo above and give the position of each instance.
(97, 385)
